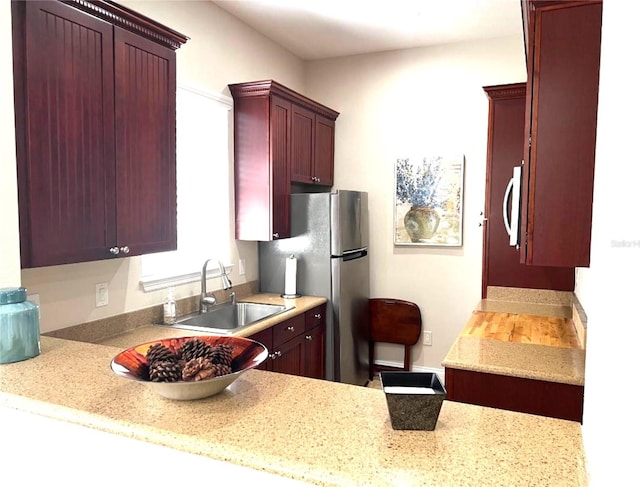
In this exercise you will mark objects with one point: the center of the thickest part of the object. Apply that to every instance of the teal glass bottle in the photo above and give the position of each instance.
(19, 326)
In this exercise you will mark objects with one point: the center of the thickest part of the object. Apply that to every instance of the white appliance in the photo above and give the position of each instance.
(513, 189)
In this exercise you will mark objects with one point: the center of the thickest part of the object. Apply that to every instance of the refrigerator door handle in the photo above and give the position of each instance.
(353, 254)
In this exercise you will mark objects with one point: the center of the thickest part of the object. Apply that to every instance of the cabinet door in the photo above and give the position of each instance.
(64, 129)
(280, 124)
(145, 88)
(290, 357)
(559, 166)
(314, 352)
(302, 133)
(324, 150)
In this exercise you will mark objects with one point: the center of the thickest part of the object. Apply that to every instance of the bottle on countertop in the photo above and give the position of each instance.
(19, 326)
(169, 308)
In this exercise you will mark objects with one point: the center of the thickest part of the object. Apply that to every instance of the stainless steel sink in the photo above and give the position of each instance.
(228, 318)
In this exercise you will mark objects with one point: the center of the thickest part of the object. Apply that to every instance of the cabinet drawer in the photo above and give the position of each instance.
(315, 317)
(287, 330)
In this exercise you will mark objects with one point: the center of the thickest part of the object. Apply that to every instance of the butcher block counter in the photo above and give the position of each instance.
(506, 357)
(313, 431)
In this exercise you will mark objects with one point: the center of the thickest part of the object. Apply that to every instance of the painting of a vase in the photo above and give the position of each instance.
(428, 207)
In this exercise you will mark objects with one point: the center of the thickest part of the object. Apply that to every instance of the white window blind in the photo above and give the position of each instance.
(202, 160)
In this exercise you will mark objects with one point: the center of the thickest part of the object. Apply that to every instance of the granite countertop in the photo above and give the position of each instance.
(321, 432)
(526, 360)
(156, 332)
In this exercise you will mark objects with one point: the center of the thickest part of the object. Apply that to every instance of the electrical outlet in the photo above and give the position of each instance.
(241, 269)
(102, 294)
(427, 338)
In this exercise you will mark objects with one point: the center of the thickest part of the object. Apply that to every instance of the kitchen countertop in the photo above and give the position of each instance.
(316, 431)
(527, 360)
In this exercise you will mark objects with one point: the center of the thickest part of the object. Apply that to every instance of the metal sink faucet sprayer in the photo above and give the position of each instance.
(206, 301)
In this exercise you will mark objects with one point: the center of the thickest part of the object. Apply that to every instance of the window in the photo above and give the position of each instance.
(202, 160)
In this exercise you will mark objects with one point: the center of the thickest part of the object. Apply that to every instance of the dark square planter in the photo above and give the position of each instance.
(414, 399)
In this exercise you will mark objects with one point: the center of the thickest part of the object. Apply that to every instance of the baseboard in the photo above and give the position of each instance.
(414, 368)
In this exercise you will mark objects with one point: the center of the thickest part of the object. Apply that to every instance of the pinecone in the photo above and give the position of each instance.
(222, 354)
(195, 348)
(197, 369)
(159, 353)
(221, 369)
(165, 371)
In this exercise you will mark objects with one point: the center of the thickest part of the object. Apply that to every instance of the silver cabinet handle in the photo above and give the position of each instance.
(291, 329)
(114, 250)
(124, 250)
(275, 355)
(308, 337)
(317, 316)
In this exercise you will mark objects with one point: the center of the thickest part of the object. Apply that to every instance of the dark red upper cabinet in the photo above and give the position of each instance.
(563, 63)
(501, 261)
(95, 132)
(280, 137)
(312, 146)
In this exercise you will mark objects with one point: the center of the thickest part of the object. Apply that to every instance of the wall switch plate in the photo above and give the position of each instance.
(102, 294)
(241, 270)
(427, 338)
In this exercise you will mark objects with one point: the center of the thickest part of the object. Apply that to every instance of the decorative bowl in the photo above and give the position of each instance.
(132, 364)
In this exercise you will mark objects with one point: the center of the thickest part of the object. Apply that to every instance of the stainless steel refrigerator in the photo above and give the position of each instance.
(330, 238)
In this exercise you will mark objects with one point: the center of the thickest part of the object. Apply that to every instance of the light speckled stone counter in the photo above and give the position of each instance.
(539, 362)
(156, 332)
(320, 432)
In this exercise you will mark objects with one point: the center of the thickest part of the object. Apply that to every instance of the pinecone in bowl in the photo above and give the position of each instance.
(222, 354)
(202, 368)
(195, 348)
(165, 371)
(159, 353)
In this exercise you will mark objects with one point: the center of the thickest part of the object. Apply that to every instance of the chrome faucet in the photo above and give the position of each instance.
(206, 301)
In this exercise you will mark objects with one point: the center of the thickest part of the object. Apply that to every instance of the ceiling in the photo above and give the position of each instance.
(318, 29)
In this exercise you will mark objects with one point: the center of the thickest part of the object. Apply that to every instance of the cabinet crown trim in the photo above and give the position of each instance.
(271, 87)
(132, 21)
(502, 92)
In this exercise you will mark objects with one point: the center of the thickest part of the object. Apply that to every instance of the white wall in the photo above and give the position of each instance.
(9, 241)
(221, 50)
(427, 100)
(609, 288)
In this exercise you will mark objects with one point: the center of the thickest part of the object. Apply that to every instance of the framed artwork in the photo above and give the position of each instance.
(428, 201)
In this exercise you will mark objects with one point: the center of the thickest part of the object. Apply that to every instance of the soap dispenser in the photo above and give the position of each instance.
(169, 309)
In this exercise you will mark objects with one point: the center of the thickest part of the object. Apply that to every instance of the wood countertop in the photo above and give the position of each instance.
(514, 343)
(320, 432)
